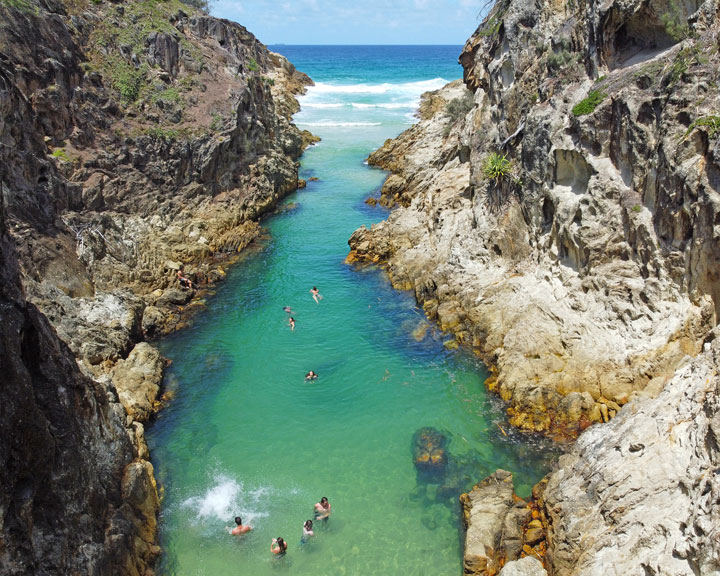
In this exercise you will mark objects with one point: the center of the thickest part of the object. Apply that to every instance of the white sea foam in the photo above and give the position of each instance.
(330, 123)
(385, 105)
(322, 105)
(406, 87)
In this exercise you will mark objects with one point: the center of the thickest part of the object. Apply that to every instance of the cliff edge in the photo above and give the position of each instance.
(556, 212)
(140, 143)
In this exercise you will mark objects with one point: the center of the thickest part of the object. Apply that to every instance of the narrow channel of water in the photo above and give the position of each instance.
(247, 435)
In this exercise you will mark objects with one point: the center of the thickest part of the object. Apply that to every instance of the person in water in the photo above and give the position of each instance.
(278, 546)
(323, 509)
(307, 532)
(311, 375)
(287, 309)
(291, 321)
(315, 294)
(240, 528)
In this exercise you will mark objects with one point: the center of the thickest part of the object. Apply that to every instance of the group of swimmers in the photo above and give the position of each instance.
(316, 296)
(323, 509)
(278, 546)
(291, 322)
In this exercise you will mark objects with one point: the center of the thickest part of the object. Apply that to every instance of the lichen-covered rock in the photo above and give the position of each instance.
(640, 494)
(560, 224)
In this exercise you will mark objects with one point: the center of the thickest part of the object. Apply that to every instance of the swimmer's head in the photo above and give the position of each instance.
(324, 501)
(308, 524)
(281, 543)
(238, 520)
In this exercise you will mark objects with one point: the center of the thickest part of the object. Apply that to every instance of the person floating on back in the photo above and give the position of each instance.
(240, 528)
(316, 294)
(307, 532)
(278, 546)
(311, 375)
(323, 509)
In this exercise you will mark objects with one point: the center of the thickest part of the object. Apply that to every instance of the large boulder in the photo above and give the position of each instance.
(493, 520)
(137, 380)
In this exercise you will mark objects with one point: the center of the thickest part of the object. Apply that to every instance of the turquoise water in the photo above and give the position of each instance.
(246, 435)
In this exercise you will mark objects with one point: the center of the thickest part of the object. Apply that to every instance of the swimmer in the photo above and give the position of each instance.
(323, 509)
(278, 546)
(311, 375)
(291, 322)
(240, 528)
(316, 294)
(307, 532)
(287, 309)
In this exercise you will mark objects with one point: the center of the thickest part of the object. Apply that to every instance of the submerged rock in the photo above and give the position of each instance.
(429, 453)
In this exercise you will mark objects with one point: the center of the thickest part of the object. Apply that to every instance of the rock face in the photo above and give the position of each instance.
(64, 451)
(140, 142)
(640, 495)
(493, 520)
(557, 213)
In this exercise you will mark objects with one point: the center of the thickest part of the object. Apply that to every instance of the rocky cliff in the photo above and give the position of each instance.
(140, 142)
(557, 212)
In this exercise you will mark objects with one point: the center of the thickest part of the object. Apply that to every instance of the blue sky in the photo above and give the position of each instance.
(363, 22)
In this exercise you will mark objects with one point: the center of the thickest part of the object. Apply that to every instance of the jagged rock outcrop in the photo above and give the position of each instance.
(67, 458)
(140, 142)
(499, 529)
(560, 219)
(640, 494)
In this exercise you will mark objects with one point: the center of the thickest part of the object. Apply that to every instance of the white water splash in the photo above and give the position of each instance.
(226, 498)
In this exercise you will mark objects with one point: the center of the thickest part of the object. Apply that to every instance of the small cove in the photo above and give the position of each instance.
(247, 435)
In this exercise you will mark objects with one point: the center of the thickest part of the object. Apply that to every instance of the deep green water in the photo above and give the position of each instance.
(246, 435)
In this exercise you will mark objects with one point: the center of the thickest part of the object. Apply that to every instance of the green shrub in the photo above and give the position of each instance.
(711, 123)
(588, 104)
(459, 107)
(21, 5)
(169, 95)
(216, 123)
(163, 133)
(675, 21)
(127, 79)
(253, 65)
(497, 167)
(61, 154)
